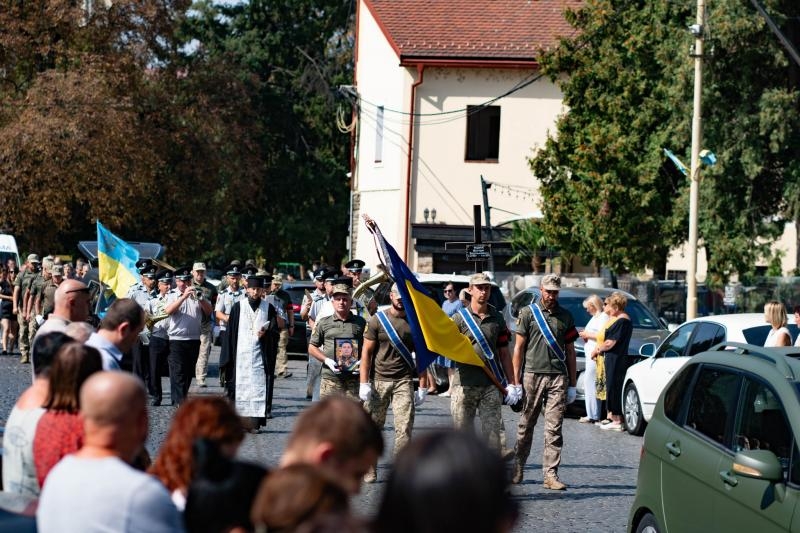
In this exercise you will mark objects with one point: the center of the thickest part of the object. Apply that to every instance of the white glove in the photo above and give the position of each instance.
(419, 396)
(572, 392)
(365, 392)
(511, 395)
(330, 363)
(519, 392)
(39, 319)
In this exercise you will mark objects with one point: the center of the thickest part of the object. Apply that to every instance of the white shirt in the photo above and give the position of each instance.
(774, 335)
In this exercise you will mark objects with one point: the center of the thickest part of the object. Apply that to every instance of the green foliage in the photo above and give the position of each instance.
(528, 240)
(608, 194)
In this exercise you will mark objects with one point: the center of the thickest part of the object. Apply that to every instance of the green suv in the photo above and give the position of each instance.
(721, 450)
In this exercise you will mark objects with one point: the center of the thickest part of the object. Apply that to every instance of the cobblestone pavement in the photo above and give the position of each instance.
(599, 467)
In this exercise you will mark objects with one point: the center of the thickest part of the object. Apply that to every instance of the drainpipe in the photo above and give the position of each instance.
(420, 73)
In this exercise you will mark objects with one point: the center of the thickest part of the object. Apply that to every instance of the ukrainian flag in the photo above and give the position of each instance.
(116, 261)
(433, 332)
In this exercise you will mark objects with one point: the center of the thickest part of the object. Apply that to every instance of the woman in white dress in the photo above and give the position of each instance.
(775, 315)
(593, 306)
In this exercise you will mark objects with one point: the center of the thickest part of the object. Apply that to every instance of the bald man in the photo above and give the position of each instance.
(71, 304)
(96, 489)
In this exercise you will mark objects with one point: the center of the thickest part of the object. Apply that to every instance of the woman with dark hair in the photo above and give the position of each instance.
(221, 492)
(447, 481)
(19, 470)
(8, 321)
(60, 430)
(211, 418)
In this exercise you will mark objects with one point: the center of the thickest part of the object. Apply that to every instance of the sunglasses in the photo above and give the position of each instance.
(449, 290)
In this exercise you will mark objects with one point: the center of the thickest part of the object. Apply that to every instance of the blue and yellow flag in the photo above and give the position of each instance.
(433, 332)
(116, 261)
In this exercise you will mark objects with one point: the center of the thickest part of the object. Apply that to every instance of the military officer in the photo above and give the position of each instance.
(141, 292)
(285, 300)
(159, 333)
(201, 284)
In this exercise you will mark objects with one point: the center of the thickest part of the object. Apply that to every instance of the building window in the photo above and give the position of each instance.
(483, 133)
(379, 135)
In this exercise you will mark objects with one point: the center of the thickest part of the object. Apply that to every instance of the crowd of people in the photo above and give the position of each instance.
(83, 413)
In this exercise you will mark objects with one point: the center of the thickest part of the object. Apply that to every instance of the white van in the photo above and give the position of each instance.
(8, 249)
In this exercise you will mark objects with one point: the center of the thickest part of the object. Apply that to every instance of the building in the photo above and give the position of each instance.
(449, 92)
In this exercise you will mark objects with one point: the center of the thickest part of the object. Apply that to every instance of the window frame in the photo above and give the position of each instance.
(482, 141)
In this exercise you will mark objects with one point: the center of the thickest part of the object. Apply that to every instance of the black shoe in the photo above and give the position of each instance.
(269, 416)
(285, 375)
(155, 402)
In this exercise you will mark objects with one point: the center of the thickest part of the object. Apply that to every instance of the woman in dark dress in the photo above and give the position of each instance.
(614, 348)
(8, 320)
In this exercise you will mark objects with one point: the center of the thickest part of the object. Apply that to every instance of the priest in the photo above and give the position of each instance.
(251, 340)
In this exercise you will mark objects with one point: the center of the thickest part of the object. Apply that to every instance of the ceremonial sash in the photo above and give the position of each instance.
(394, 338)
(547, 333)
(486, 350)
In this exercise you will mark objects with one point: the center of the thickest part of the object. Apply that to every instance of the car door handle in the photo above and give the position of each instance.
(674, 448)
(728, 478)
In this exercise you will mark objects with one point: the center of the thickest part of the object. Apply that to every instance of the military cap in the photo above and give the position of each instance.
(330, 275)
(33, 258)
(149, 271)
(355, 266)
(277, 279)
(183, 273)
(199, 266)
(341, 288)
(343, 281)
(249, 271)
(551, 282)
(58, 270)
(164, 275)
(233, 270)
(479, 279)
(141, 264)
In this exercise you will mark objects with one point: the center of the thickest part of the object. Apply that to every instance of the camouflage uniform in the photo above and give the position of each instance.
(545, 378)
(326, 331)
(393, 381)
(23, 281)
(472, 388)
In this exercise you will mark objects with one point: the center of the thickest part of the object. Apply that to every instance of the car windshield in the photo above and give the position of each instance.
(297, 293)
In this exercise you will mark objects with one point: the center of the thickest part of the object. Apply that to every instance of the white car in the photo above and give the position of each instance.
(645, 380)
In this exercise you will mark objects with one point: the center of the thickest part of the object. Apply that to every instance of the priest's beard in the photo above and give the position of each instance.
(253, 302)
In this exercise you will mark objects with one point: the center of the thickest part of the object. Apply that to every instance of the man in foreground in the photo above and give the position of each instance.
(96, 489)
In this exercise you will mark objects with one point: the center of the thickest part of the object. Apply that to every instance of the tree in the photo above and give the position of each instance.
(528, 241)
(607, 193)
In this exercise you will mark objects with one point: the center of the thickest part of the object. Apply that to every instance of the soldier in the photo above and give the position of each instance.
(21, 287)
(186, 307)
(48, 295)
(336, 342)
(232, 293)
(157, 319)
(545, 335)
(388, 341)
(309, 301)
(141, 292)
(201, 284)
(473, 389)
(33, 302)
(285, 300)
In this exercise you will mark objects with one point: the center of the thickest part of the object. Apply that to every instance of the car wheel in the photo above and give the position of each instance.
(647, 524)
(634, 420)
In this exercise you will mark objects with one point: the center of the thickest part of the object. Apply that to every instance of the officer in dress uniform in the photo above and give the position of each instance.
(354, 270)
(310, 299)
(159, 336)
(201, 284)
(141, 292)
(186, 307)
(272, 299)
(233, 293)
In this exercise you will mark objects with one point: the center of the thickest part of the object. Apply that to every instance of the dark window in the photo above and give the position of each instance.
(675, 345)
(483, 133)
(675, 394)
(713, 403)
(706, 336)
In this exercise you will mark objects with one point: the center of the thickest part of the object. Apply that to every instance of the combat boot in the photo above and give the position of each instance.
(516, 472)
(553, 483)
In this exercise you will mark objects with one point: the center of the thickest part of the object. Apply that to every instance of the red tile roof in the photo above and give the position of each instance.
(472, 29)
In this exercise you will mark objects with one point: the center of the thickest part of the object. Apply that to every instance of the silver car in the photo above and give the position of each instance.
(646, 326)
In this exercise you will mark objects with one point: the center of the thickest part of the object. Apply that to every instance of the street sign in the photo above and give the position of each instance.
(479, 252)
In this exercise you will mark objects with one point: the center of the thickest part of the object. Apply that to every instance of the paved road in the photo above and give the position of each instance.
(599, 467)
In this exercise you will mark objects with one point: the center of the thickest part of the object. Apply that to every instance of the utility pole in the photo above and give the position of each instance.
(485, 186)
(698, 30)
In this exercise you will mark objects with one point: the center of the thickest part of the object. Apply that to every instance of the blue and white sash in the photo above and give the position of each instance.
(394, 338)
(480, 338)
(547, 333)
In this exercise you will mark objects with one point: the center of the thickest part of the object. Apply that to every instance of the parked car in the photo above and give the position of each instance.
(646, 326)
(720, 452)
(296, 289)
(645, 380)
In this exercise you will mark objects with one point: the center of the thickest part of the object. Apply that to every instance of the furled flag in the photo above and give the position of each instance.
(116, 261)
(433, 332)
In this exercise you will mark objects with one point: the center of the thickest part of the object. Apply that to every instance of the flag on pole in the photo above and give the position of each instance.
(116, 261)
(433, 332)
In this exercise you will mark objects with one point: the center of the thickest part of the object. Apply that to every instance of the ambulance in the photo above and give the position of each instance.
(8, 249)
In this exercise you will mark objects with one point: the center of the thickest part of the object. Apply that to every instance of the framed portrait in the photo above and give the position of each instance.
(347, 353)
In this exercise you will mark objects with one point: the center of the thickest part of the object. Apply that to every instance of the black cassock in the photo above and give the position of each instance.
(269, 352)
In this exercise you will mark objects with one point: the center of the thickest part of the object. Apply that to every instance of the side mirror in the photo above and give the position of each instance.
(647, 349)
(758, 464)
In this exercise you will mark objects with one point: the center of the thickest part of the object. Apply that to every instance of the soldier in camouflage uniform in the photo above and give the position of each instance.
(472, 389)
(33, 300)
(391, 380)
(336, 342)
(22, 285)
(546, 379)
